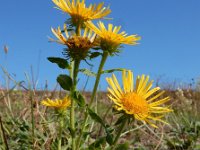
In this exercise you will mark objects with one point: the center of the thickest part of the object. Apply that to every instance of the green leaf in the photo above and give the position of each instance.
(79, 98)
(109, 138)
(98, 142)
(95, 54)
(88, 72)
(124, 146)
(72, 132)
(96, 118)
(112, 70)
(108, 130)
(62, 63)
(96, 48)
(65, 82)
(121, 119)
(85, 134)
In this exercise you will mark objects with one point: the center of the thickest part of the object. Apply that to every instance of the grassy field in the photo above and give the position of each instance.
(25, 124)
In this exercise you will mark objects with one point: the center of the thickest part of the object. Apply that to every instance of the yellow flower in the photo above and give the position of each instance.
(111, 38)
(79, 12)
(140, 100)
(78, 45)
(59, 104)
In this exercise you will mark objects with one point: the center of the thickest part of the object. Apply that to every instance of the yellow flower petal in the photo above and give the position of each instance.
(110, 38)
(79, 12)
(136, 102)
(58, 103)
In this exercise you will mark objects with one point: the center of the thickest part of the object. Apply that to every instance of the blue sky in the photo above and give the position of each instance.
(170, 32)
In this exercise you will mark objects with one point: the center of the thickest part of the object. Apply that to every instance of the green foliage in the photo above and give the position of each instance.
(98, 143)
(72, 132)
(112, 70)
(62, 63)
(95, 117)
(185, 134)
(108, 129)
(30, 126)
(88, 72)
(80, 100)
(94, 55)
(121, 119)
(65, 81)
(124, 146)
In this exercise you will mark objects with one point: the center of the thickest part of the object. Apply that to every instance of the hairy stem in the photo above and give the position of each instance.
(74, 73)
(72, 114)
(103, 60)
(60, 132)
(118, 134)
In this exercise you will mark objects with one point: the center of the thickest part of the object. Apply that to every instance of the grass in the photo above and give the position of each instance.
(25, 124)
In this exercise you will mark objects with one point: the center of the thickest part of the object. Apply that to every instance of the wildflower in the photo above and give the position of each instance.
(140, 100)
(79, 12)
(78, 45)
(58, 104)
(111, 39)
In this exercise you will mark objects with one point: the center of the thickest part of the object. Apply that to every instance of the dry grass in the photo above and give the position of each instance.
(15, 109)
(21, 112)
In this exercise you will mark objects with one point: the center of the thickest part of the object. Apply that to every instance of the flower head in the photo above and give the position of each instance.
(58, 104)
(79, 12)
(111, 38)
(78, 45)
(140, 100)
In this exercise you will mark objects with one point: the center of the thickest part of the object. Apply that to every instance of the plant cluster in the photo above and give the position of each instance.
(84, 41)
(75, 121)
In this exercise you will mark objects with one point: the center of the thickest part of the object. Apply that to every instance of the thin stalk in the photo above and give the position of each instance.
(104, 117)
(118, 134)
(103, 60)
(32, 118)
(78, 30)
(8, 78)
(78, 33)
(74, 73)
(60, 132)
(72, 68)
(32, 109)
(4, 135)
(8, 96)
(72, 114)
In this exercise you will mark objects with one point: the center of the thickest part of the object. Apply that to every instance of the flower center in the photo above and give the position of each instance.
(78, 47)
(135, 104)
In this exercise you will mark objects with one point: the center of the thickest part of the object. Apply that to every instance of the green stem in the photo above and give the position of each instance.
(72, 114)
(103, 60)
(74, 73)
(72, 68)
(104, 117)
(78, 33)
(118, 134)
(60, 132)
(78, 30)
